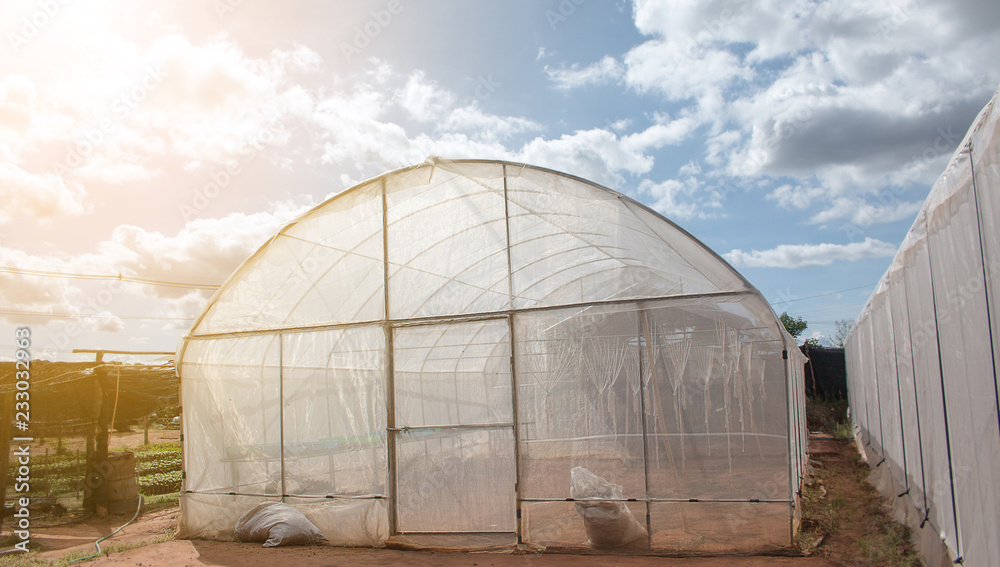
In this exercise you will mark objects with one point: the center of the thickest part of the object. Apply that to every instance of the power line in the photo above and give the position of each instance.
(106, 277)
(872, 286)
(80, 316)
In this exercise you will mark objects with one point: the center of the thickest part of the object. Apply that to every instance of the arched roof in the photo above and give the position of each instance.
(450, 238)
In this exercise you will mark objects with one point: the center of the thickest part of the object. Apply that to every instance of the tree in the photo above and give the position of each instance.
(793, 326)
(844, 328)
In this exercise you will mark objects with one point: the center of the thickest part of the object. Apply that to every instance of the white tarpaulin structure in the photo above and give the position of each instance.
(432, 352)
(922, 361)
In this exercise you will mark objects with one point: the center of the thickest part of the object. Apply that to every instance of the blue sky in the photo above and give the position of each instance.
(166, 140)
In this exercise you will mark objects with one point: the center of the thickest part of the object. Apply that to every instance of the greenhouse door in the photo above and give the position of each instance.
(454, 435)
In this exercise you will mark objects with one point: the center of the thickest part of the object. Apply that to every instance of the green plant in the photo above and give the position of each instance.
(794, 326)
(160, 501)
(843, 430)
(160, 483)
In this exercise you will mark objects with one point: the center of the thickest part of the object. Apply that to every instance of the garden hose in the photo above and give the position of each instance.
(97, 543)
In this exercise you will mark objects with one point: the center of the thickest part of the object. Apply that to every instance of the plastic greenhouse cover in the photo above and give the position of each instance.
(437, 348)
(944, 328)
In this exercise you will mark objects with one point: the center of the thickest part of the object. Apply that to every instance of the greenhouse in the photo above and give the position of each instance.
(922, 361)
(482, 353)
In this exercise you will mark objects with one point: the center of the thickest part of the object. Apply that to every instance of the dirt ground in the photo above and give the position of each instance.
(835, 549)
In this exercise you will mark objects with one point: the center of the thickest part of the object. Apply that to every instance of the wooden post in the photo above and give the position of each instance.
(145, 429)
(812, 368)
(103, 437)
(7, 402)
(96, 498)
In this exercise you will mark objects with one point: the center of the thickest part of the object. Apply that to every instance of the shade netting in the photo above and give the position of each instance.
(922, 361)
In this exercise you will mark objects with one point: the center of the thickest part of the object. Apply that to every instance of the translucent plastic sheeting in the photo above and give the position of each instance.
(797, 385)
(213, 516)
(231, 401)
(871, 388)
(579, 401)
(347, 522)
(679, 527)
(715, 403)
(447, 247)
(908, 403)
(573, 243)
(419, 351)
(927, 377)
(570, 241)
(888, 388)
(324, 268)
(942, 324)
(720, 527)
(713, 391)
(559, 524)
(334, 412)
(453, 374)
(856, 386)
(986, 157)
(456, 480)
(343, 522)
(967, 364)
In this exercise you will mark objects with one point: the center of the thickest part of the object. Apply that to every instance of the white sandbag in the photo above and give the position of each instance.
(276, 523)
(608, 524)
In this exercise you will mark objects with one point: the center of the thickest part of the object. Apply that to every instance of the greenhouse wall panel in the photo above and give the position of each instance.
(937, 405)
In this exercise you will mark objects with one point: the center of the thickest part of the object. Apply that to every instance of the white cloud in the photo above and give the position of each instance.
(118, 169)
(607, 70)
(862, 214)
(845, 97)
(212, 98)
(178, 311)
(663, 133)
(809, 255)
(107, 322)
(353, 131)
(667, 67)
(424, 100)
(44, 195)
(597, 155)
(205, 250)
(355, 127)
(680, 199)
(17, 101)
(473, 120)
(796, 196)
(31, 292)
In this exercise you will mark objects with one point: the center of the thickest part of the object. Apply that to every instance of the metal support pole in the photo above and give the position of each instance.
(916, 398)
(515, 413)
(986, 281)
(643, 324)
(789, 431)
(390, 382)
(944, 397)
(281, 409)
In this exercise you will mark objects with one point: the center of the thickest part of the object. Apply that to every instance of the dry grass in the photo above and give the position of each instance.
(843, 516)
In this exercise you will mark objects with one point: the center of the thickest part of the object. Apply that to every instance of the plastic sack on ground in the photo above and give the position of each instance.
(276, 523)
(608, 524)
